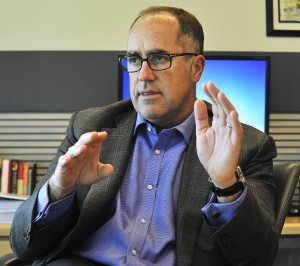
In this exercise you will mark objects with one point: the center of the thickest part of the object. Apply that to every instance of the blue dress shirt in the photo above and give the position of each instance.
(142, 228)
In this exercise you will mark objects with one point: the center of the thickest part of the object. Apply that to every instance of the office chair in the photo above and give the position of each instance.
(286, 176)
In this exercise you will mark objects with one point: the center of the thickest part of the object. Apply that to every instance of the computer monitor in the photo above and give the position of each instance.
(244, 80)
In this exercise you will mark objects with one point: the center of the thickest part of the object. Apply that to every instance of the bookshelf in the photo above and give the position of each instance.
(18, 178)
(13, 196)
(32, 138)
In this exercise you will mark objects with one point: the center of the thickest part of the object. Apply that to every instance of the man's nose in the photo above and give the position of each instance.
(146, 73)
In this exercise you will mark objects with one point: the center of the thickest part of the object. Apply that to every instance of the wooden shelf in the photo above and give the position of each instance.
(4, 229)
(291, 226)
(13, 196)
(4, 239)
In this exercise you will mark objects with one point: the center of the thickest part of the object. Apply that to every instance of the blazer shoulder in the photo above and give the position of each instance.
(96, 118)
(254, 135)
(257, 144)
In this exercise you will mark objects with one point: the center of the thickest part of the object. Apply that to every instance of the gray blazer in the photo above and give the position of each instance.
(248, 239)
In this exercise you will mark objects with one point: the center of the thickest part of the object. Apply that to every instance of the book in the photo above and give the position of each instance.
(32, 178)
(17, 178)
(14, 176)
(20, 178)
(25, 178)
(5, 176)
(9, 177)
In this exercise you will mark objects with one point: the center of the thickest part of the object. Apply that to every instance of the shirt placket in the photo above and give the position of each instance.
(147, 204)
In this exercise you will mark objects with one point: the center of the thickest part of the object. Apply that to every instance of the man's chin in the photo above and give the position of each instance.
(152, 115)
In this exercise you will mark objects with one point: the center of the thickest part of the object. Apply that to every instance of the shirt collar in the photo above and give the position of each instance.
(185, 128)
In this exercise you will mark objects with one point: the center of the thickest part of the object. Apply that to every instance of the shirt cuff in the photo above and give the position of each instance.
(218, 214)
(48, 213)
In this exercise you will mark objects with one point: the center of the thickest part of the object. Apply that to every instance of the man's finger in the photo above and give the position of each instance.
(201, 116)
(76, 151)
(104, 170)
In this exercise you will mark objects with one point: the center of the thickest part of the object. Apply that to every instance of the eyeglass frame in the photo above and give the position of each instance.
(125, 57)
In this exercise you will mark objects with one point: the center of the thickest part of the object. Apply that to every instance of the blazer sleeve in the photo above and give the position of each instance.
(31, 244)
(250, 238)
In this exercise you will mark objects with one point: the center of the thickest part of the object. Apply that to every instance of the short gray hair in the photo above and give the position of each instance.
(190, 32)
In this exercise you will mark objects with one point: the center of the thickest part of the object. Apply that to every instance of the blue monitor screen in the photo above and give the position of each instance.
(244, 80)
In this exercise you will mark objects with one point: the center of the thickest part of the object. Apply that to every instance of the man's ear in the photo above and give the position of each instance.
(198, 67)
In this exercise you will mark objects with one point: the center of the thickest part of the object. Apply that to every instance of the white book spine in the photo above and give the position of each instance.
(4, 176)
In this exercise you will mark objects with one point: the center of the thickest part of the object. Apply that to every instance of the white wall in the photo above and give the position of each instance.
(229, 25)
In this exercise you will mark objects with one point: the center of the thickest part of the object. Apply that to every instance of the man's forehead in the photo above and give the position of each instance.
(154, 24)
(151, 36)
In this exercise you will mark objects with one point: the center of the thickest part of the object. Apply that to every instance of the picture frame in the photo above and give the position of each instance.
(283, 18)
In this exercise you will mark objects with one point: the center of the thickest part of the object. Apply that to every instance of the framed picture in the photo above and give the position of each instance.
(283, 17)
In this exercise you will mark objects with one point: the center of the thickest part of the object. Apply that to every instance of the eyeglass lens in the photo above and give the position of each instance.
(155, 62)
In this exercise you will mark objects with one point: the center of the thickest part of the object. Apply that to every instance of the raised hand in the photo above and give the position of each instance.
(218, 145)
(79, 166)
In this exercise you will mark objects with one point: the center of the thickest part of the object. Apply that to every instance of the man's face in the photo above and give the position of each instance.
(165, 98)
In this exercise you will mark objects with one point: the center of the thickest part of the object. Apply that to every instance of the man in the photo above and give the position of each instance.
(148, 201)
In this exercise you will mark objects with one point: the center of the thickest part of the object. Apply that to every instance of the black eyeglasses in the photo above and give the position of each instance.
(157, 62)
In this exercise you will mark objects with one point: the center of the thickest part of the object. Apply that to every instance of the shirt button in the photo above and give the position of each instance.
(216, 215)
(143, 221)
(157, 151)
(149, 129)
(150, 187)
(133, 252)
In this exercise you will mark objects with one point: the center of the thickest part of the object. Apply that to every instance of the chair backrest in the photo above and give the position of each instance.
(286, 176)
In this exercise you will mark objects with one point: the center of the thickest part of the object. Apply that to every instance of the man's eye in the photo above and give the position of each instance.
(159, 58)
(133, 60)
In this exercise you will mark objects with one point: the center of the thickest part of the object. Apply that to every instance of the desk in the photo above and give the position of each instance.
(290, 227)
(4, 242)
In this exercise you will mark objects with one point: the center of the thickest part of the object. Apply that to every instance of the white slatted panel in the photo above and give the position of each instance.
(32, 137)
(35, 137)
(285, 129)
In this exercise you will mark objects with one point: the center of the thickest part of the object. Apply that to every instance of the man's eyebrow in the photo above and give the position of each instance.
(131, 53)
(156, 51)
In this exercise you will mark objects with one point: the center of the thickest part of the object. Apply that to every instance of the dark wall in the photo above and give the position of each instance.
(67, 81)
(57, 81)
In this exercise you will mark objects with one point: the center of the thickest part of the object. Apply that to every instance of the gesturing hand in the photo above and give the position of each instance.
(80, 165)
(218, 145)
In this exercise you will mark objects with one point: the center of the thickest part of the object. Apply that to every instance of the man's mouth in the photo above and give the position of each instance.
(149, 93)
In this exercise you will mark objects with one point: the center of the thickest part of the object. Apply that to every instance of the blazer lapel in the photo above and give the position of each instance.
(194, 193)
(116, 150)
